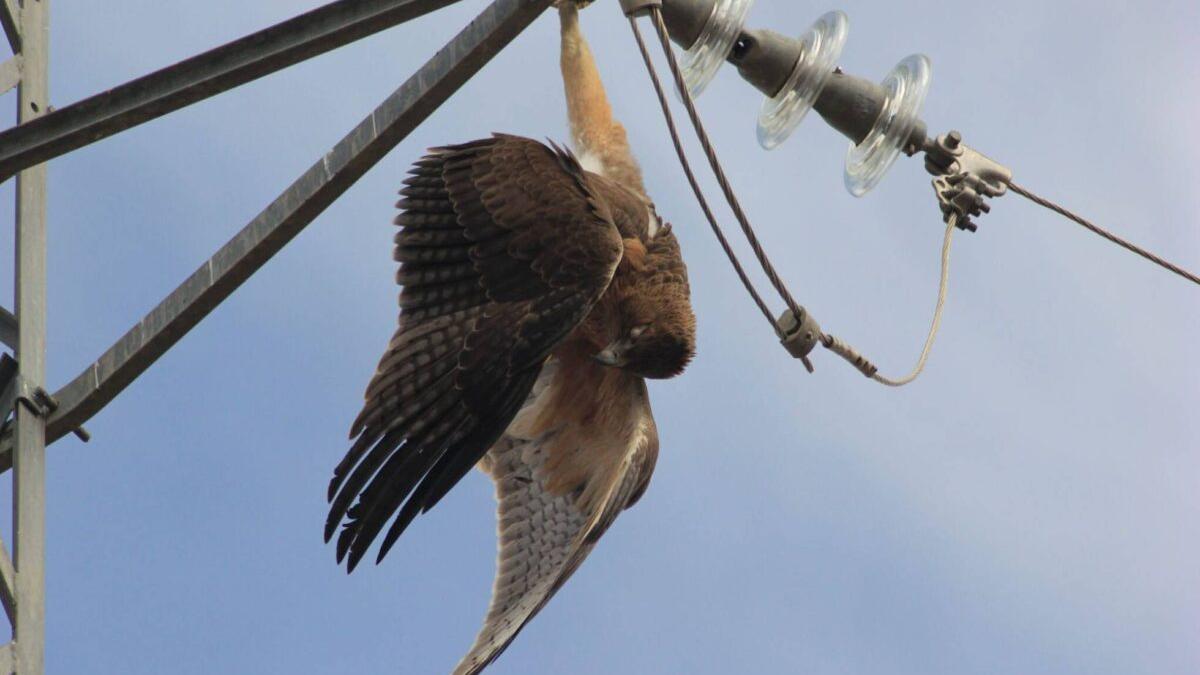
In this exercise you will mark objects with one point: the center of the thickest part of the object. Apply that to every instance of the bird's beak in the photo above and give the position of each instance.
(612, 355)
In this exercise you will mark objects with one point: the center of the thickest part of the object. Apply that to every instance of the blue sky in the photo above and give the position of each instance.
(1030, 505)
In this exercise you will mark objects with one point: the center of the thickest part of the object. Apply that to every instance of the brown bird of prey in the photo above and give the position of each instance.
(536, 298)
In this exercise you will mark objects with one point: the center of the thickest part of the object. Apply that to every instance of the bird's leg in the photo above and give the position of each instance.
(598, 137)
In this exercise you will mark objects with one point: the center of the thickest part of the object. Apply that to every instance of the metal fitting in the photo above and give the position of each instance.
(963, 178)
(685, 20)
(799, 336)
(15, 390)
(766, 59)
(639, 7)
(36, 399)
(851, 105)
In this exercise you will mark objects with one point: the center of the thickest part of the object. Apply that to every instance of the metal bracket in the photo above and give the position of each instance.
(799, 336)
(35, 399)
(10, 74)
(38, 400)
(766, 59)
(686, 20)
(15, 390)
(41, 403)
(964, 177)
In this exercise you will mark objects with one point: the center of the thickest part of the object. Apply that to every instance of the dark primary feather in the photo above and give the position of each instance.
(503, 250)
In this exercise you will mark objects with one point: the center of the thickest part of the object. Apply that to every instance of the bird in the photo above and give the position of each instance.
(540, 289)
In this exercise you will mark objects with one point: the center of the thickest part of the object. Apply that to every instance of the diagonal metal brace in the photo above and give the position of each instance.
(8, 329)
(285, 217)
(10, 21)
(8, 385)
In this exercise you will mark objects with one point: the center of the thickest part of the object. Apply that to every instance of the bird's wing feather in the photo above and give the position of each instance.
(503, 250)
(544, 537)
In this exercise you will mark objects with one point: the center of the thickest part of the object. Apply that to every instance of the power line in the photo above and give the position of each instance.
(1042, 201)
(691, 177)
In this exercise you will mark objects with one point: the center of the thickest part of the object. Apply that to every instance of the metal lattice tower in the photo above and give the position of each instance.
(42, 133)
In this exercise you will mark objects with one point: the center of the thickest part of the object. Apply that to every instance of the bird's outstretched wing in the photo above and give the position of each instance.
(543, 535)
(503, 250)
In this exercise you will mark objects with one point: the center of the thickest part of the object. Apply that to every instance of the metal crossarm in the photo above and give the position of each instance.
(199, 77)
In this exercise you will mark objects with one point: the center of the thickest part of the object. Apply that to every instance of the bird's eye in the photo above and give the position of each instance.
(636, 331)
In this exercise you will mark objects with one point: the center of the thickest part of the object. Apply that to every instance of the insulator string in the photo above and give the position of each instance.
(831, 342)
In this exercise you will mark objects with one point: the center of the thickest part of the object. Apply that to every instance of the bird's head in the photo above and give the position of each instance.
(657, 336)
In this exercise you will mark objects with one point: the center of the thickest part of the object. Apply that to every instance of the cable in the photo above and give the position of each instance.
(943, 288)
(718, 172)
(687, 170)
(839, 347)
(1040, 201)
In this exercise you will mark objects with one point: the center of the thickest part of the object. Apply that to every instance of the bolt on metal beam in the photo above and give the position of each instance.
(199, 77)
(290, 213)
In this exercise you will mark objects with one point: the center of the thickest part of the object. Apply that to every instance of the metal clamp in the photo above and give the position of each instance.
(41, 403)
(15, 390)
(964, 178)
(37, 400)
(799, 336)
